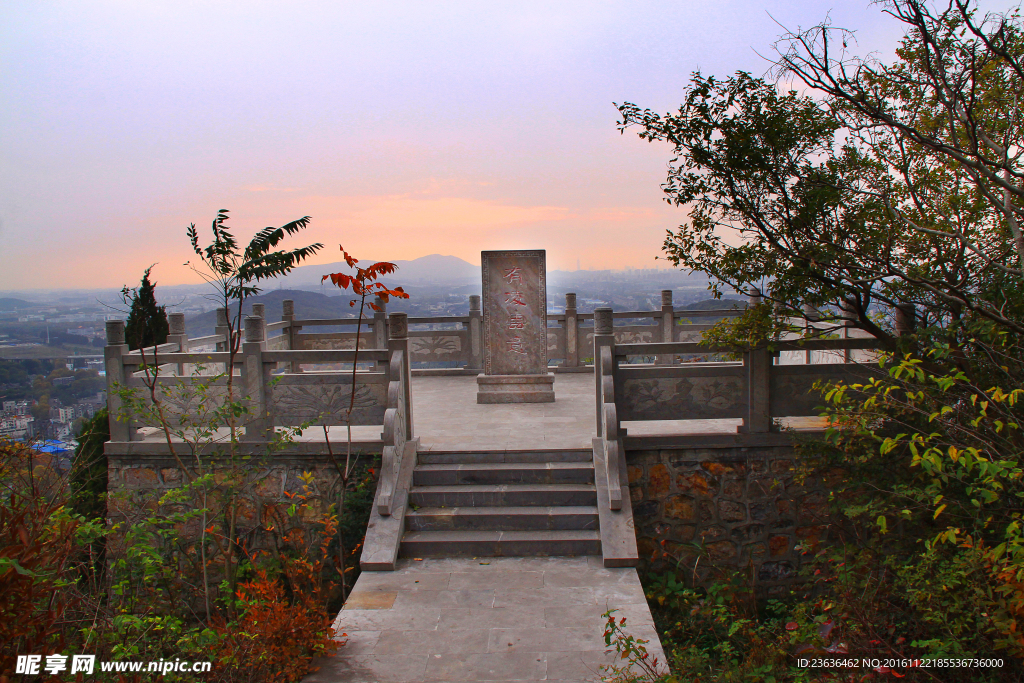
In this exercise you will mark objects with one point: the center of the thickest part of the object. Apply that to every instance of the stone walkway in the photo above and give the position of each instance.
(485, 619)
(496, 619)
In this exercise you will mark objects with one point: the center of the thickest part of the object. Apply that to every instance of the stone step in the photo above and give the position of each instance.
(472, 457)
(504, 473)
(499, 543)
(494, 495)
(577, 517)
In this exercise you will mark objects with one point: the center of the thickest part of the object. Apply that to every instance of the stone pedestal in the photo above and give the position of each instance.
(516, 388)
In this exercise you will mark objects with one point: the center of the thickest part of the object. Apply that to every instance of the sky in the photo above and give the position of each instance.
(403, 128)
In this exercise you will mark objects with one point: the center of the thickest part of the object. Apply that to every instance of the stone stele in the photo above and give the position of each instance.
(515, 329)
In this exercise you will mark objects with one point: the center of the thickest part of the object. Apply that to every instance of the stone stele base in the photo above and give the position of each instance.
(515, 388)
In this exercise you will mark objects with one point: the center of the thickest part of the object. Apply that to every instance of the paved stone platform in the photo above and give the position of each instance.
(446, 417)
(486, 619)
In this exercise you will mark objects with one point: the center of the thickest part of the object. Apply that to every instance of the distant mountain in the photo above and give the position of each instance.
(434, 268)
(9, 304)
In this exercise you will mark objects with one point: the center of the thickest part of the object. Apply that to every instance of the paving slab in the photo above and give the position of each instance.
(489, 619)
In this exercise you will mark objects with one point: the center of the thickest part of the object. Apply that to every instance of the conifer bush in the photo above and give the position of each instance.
(146, 324)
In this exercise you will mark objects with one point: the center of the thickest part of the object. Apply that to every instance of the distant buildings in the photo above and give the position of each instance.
(16, 421)
(83, 318)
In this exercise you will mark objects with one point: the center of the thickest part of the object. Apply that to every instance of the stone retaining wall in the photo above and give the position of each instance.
(743, 505)
(266, 489)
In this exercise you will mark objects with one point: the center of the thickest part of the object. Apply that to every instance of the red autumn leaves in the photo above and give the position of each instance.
(365, 281)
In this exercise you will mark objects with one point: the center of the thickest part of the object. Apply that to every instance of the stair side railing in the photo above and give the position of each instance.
(398, 416)
(607, 413)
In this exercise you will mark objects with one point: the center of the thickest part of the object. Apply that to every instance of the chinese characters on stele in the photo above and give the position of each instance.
(516, 320)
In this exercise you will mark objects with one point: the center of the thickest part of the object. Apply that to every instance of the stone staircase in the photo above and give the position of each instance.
(502, 503)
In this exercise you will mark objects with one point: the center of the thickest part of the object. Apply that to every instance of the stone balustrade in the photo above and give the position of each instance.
(759, 388)
(455, 342)
(268, 382)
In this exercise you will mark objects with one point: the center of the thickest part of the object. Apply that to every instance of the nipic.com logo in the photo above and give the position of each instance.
(35, 665)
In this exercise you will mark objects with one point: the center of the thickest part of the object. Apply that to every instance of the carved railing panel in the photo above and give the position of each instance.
(681, 393)
(689, 333)
(585, 344)
(191, 388)
(278, 343)
(556, 342)
(791, 387)
(439, 346)
(340, 341)
(186, 402)
(637, 334)
(324, 398)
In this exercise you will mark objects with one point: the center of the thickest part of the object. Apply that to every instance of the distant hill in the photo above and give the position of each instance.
(9, 304)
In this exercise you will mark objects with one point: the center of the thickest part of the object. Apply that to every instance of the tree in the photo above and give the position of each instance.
(146, 324)
(783, 197)
(364, 283)
(955, 96)
(88, 477)
(894, 184)
(235, 274)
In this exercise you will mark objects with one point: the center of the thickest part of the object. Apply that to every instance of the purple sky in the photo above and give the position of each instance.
(404, 129)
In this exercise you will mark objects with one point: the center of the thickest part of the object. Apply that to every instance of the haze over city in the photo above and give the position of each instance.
(403, 129)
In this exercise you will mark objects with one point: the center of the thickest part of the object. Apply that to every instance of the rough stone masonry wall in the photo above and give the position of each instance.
(266, 488)
(743, 504)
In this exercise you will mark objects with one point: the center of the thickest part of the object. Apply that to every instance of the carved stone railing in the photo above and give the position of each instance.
(609, 438)
(458, 346)
(273, 395)
(394, 434)
(759, 389)
(398, 416)
(610, 428)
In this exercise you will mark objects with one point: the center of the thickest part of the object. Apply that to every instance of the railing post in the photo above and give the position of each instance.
(847, 315)
(380, 330)
(572, 332)
(222, 329)
(260, 311)
(811, 316)
(604, 335)
(668, 315)
(176, 331)
(288, 315)
(176, 335)
(399, 341)
(120, 425)
(254, 380)
(758, 365)
(906, 319)
(476, 355)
